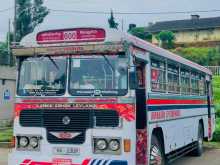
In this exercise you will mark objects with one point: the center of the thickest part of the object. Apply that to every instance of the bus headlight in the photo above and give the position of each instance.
(107, 145)
(23, 141)
(28, 143)
(114, 145)
(101, 144)
(34, 142)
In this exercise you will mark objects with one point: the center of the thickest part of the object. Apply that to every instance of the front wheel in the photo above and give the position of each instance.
(157, 156)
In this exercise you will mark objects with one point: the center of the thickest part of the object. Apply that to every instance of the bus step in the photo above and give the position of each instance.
(181, 152)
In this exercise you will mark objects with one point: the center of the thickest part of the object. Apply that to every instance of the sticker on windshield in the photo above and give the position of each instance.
(76, 63)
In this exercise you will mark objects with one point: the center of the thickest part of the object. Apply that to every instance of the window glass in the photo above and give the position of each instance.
(185, 81)
(42, 76)
(173, 79)
(158, 75)
(106, 75)
(202, 88)
(194, 83)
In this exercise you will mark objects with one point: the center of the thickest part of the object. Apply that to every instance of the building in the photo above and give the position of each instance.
(191, 32)
(7, 92)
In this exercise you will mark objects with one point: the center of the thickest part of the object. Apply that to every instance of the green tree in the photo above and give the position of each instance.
(140, 33)
(111, 21)
(30, 13)
(166, 39)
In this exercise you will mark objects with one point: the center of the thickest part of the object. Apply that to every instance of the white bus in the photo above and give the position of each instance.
(95, 96)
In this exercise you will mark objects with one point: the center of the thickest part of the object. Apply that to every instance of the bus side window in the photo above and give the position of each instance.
(173, 79)
(194, 83)
(158, 76)
(185, 82)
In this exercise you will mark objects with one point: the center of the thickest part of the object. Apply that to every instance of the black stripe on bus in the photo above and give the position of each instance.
(171, 107)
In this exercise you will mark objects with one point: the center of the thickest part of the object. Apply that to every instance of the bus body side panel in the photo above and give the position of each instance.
(179, 123)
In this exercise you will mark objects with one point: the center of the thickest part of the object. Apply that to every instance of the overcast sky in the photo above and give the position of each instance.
(60, 20)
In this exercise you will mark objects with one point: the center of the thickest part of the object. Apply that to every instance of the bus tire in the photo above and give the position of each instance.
(199, 149)
(157, 156)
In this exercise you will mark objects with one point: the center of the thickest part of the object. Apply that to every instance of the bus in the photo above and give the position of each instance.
(98, 96)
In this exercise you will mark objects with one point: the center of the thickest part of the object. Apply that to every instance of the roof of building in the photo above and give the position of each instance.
(187, 24)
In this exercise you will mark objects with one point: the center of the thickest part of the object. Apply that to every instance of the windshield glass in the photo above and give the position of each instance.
(98, 75)
(42, 76)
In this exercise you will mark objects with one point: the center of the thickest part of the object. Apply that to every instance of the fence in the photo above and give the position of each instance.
(215, 70)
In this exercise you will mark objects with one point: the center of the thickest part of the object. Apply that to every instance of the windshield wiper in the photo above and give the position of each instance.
(53, 62)
(108, 62)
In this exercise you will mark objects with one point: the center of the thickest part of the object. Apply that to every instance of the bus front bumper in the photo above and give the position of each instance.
(20, 160)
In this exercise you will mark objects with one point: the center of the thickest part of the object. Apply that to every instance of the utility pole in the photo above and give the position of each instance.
(9, 41)
(122, 24)
(15, 21)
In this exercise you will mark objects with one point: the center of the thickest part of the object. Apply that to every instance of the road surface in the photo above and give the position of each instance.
(210, 157)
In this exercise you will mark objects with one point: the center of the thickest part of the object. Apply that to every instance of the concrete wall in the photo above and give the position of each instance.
(7, 92)
(194, 36)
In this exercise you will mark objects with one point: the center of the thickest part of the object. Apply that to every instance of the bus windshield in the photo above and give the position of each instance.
(42, 76)
(98, 75)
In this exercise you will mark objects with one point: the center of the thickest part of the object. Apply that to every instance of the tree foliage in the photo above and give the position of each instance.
(30, 13)
(166, 38)
(140, 33)
(111, 21)
(203, 56)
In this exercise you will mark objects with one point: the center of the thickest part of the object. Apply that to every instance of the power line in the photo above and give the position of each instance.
(136, 13)
(4, 10)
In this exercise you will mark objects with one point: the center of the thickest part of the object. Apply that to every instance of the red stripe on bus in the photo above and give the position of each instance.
(54, 100)
(166, 101)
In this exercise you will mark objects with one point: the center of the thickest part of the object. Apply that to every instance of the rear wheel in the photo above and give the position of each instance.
(199, 150)
(157, 156)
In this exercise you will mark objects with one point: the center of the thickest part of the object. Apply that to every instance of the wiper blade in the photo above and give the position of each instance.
(54, 63)
(108, 62)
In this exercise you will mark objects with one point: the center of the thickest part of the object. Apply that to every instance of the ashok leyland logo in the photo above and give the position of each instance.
(66, 120)
(65, 135)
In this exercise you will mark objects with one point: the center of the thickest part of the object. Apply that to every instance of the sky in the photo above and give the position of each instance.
(66, 19)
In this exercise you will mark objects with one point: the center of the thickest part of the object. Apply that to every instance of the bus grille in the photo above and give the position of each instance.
(80, 121)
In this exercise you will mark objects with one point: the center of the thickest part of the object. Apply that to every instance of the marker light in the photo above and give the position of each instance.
(127, 145)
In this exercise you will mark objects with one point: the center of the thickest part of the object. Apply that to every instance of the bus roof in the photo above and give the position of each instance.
(94, 35)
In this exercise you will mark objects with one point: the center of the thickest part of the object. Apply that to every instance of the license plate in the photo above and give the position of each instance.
(58, 161)
(66, 151)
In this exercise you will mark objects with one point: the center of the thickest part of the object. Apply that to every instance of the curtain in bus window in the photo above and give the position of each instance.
(158, 76)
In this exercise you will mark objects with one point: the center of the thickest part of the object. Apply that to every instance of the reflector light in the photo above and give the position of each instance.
(71, 35)
(127, 145)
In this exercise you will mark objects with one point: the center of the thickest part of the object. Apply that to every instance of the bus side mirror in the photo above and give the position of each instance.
(133, 81)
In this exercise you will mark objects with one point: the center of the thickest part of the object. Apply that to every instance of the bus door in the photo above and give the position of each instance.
(141, 114)
(209, 102)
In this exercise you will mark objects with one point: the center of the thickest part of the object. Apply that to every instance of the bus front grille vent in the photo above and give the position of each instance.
(72, 121)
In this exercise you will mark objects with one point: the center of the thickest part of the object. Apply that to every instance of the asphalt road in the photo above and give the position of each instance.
(210, 157)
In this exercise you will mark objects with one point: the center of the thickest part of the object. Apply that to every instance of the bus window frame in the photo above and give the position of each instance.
(20, 61)
(123, 92)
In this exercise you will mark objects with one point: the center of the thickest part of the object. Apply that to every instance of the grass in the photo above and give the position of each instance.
(212, 145)
(6, 135)
(216, 90)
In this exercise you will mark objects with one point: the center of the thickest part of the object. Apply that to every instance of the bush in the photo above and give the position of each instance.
(203, 56)
(216, 136)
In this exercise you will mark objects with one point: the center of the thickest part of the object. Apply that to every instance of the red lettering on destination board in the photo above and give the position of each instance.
(71, 35)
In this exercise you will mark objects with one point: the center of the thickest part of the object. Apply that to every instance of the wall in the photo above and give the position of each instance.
(194, 36)
(7, 92)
